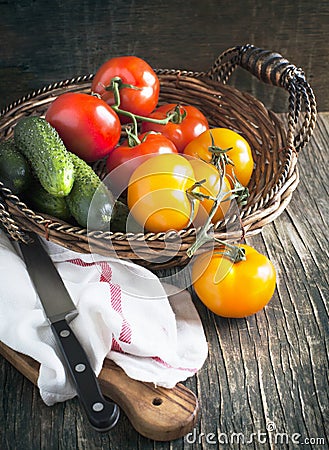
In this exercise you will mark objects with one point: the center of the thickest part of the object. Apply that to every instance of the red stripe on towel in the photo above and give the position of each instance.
(168, 366)
(116, 299)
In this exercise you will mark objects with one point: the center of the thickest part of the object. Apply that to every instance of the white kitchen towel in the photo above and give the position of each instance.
(124, 315)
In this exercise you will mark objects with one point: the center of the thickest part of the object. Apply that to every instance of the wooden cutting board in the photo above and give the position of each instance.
(155, 412)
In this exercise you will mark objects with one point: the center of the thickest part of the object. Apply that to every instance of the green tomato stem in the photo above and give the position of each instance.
(234, 252)
(115, 86)
(219, 155)
(177, 115)
(203, 237)
(132, 136)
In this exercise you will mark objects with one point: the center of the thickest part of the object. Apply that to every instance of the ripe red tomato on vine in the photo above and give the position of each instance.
(187, 123)
(138, 84)
(125, 158)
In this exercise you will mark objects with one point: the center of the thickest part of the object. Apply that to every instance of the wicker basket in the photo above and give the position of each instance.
(275, 148)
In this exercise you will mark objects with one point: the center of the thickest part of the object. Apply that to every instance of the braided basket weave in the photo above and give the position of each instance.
(274, 146)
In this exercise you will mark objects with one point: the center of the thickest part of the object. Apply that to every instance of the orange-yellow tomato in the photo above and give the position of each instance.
(157, 193)
(211, 187)
(234, 289)
(240, 154)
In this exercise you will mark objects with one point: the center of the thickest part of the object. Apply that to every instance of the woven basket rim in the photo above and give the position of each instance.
(257, 210)
(168, 73)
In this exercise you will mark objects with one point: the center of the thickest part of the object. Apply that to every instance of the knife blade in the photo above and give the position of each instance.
(60, 310)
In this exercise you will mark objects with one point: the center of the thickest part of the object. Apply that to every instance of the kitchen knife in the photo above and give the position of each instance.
(60, 310)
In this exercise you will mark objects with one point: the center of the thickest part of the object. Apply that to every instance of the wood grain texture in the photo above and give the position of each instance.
(43, 42)
(155, 412)
(269, 370)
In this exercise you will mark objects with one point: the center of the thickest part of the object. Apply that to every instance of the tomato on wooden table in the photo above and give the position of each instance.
(140, 89)
(157, 193)
(186, 125)
(124, 159)
(234, 289)
(224, 138)
(86, 124)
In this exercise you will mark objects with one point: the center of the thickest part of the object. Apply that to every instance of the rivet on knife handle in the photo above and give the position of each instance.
(102, 415)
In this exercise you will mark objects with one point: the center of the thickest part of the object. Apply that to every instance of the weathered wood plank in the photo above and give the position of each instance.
(271, 368)
(36, 51)
(268, 373)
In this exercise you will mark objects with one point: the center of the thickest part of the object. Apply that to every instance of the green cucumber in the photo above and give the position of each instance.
(43, 148)
(123, 221)
(15, 172)
(41, 201)
(90, 202)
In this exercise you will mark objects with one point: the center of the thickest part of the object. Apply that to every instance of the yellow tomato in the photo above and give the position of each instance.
(234, 289)
(240, 154)
(157, 193)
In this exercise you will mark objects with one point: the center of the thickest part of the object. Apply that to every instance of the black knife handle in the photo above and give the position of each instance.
(102, 415)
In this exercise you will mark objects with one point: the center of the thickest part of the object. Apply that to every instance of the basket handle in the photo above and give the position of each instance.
(272, 68)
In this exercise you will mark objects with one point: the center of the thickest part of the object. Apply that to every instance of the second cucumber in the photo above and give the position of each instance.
(90, 202)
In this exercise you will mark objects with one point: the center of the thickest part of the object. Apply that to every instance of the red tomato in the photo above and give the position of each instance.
(133, 71)
(181, 130)
(124, 159)
(86, 124)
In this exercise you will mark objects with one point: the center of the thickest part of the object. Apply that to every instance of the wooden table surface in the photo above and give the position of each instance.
(266, 377)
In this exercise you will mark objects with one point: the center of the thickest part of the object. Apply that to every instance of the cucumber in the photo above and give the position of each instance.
(15, 172)
(90, 202)
(43, 148)
(40, 200)
(123, 221)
